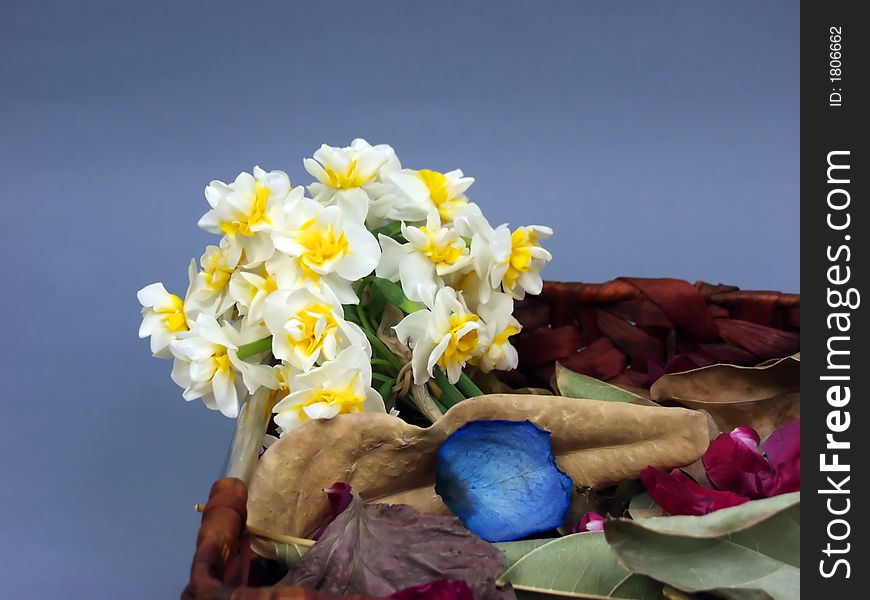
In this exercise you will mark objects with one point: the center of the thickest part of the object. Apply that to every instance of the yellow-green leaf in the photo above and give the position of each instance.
(577, 385)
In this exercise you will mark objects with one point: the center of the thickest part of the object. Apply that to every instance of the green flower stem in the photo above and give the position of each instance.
(386, 389)
(382, 349)
(449, 394)
(379, 347)
(254, 348)
(382, 378)
(364, 318)
(440, 405)
(394, 295)
(381, 362)
(468, 387)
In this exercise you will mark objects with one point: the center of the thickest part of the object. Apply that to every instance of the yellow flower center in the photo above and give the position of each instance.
(256, 215)
(440, 253)
(269, 285)
(321, 247)
(222, 362)
(347, 401)
(282, 373)
(439, 192)
(350, 178)
(312, 326)
(173, 314)
(459, 348)
(215, 270)
(503, 336)
(520, 260)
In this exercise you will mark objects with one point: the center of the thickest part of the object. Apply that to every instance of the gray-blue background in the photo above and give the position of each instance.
(657, 138)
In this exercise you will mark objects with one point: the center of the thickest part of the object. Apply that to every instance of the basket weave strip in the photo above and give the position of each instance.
(221, 565)
(617, 330)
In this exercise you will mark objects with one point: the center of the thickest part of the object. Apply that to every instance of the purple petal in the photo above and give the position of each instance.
(678, 494)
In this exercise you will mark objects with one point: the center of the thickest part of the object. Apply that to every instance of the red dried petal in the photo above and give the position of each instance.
(678, 494)
(442, 589)
(733, 466)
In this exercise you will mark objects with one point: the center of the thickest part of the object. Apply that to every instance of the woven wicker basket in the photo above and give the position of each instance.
(614, 331)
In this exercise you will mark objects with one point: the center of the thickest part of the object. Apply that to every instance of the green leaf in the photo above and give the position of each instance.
(745, 552)
(289, 554)
(391, 229)
(644, 506)
(577, 385)
(395, 296)
(580, 565)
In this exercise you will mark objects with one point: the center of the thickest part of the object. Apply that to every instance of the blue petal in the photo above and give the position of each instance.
(500, 478)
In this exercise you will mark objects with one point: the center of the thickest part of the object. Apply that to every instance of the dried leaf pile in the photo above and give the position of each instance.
(397, 532)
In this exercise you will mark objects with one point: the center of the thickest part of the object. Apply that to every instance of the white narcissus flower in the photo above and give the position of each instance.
(249, 290)
(207, 365)
(512, 260)
(500, 325)
(527, 258)
(164, 317)
(429, 193)
(283, 373)
(346, 176)
(307, 327)
(432, 252)
(247, 209)
(210, 291)
(340, 386)
(448, 336)
(319, 247)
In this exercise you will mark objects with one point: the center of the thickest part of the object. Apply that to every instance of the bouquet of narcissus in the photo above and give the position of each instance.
(380, 285)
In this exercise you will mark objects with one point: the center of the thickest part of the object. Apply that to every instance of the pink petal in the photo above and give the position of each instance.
(783, 449)
(733, 466)
(678, 494)
(591, 521)
(748, 436)
(784, 445)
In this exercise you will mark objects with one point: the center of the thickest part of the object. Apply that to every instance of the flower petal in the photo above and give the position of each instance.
(500, 478)
(591, 521)
(783, 449)
(225, 393)
(733, 466)
(678, 494)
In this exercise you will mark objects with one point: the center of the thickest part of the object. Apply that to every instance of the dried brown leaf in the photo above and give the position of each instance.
(762, 397)
(390, 461)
